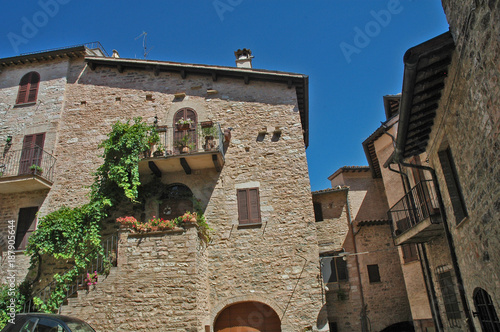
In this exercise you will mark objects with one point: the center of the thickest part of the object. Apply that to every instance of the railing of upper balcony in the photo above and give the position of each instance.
(202, 137)
(417, 205)
(32, 160)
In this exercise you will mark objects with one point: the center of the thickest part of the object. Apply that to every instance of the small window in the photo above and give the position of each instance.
(410, 253)
(453, 185)
(373, 273)
(248, 206)
(26, 223)
(318, 212)
(449, 297)
(28, 88)
(334, 269)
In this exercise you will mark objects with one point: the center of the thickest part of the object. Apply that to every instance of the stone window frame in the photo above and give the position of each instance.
(28, 88)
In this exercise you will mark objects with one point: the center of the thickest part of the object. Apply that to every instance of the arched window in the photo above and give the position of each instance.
(485, 311)
(28, 88)
(175, 201)
(185, 136)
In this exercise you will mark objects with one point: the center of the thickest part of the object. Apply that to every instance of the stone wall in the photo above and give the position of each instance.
(468, 122)
(158, 285)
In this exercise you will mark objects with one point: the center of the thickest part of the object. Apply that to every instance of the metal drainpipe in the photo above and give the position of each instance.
(424, 264)
(364, 323)
(451, 245)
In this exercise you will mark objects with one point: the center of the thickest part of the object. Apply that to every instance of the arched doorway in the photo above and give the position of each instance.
(485, 311)
(185, 136)
(248, 317)
(175, 201)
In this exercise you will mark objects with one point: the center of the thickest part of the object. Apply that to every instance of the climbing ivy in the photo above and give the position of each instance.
(74, 233)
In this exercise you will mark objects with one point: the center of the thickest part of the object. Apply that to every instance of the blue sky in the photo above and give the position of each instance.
(352, 50)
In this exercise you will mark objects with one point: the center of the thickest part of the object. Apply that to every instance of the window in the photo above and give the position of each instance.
(318, 212)
(28, 88)
(485, 311)
(248, 206)
(453, 185)
(32, 152)
(449, 297)
(373, 273)
(185, 137)
(26, 223)
(334, 269)
(410, 252)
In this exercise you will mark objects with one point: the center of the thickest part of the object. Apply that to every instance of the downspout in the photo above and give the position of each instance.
(364, 323)
(451, 245)
(424, 264)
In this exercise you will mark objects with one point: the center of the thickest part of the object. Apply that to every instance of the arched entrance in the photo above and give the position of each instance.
(248, 317)
(175, 201)
(485, 311)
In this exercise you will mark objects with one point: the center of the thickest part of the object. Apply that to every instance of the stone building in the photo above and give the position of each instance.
(261, 267)
(438, 158)
(364, 284)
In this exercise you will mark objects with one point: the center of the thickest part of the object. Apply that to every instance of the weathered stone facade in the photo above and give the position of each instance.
(354, 228)
(274, 263)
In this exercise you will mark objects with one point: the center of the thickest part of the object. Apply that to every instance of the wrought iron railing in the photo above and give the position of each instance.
(202, 137)
(100, 263)
(32, 160)
(417, 205)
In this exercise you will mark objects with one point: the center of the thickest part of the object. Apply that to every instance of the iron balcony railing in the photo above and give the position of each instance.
(32, 160)
(197, 138)
(416, 206)
(100, 262)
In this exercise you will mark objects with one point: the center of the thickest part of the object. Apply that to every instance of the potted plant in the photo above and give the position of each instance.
(160, 151)
(183, 144)
(91, 279)
(184, 124)
(210, 133)
(35, 169)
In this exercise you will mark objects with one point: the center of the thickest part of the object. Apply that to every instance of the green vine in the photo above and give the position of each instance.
(74, 233)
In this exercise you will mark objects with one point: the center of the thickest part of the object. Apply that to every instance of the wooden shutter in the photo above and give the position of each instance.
(28, 88)
(32, 152)
(26, 223)
(186, 113)
(409, 252)
(453, 185)
(248, 206)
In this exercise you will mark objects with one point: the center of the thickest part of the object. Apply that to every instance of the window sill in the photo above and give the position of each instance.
(462, 222)
(25, 104)
(254, 225)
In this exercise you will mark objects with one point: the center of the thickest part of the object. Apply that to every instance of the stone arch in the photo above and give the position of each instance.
(247, 316)
(175, 200)
(255, 297)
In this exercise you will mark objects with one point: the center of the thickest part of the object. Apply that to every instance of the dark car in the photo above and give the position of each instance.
(47, 323)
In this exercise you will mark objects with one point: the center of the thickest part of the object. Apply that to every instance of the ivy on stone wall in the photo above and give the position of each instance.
(73, 234)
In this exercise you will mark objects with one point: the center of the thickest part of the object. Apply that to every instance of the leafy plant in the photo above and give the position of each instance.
(210, 131)
(35, 168)
(183, 121)
(12, 301)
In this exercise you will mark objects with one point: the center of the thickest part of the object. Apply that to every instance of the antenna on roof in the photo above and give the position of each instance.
(144, 34)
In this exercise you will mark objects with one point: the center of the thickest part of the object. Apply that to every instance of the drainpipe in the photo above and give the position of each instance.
(451, 245)
(364, 324)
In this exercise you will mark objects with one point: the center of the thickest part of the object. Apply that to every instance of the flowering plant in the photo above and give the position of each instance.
(128, 222)
(91, 279)
(183, 121)
(188, 218)
(152, 225)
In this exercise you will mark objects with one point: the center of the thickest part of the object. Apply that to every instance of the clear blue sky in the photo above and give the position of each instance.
(352, 50)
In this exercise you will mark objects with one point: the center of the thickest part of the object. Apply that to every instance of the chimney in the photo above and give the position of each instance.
(243, 58)
(115, 54)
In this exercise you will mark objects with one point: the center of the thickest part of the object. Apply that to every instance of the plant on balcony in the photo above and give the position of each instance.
(35, 169)
(184, 124)
(209, 133)
(160, 151)
(184, 144)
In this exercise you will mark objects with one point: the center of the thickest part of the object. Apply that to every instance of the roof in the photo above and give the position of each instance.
(347, 169)
(76, 51)
(331, 190)
(391, 105)
(369, 146)
(299, 81)
(425, 71)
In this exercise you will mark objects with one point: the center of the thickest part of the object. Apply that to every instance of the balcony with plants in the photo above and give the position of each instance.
(27, 169)
(184, 147)
(416, 217)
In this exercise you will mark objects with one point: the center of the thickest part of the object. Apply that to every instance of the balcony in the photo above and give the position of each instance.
(416, 217)
(197, 148)
(28, 169)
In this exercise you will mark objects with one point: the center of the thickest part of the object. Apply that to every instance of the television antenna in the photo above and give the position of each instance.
(144, 34)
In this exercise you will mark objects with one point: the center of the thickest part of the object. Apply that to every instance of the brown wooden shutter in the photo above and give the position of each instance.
(32, 152)
(25, 226)
(248, 206)
(28, 88)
